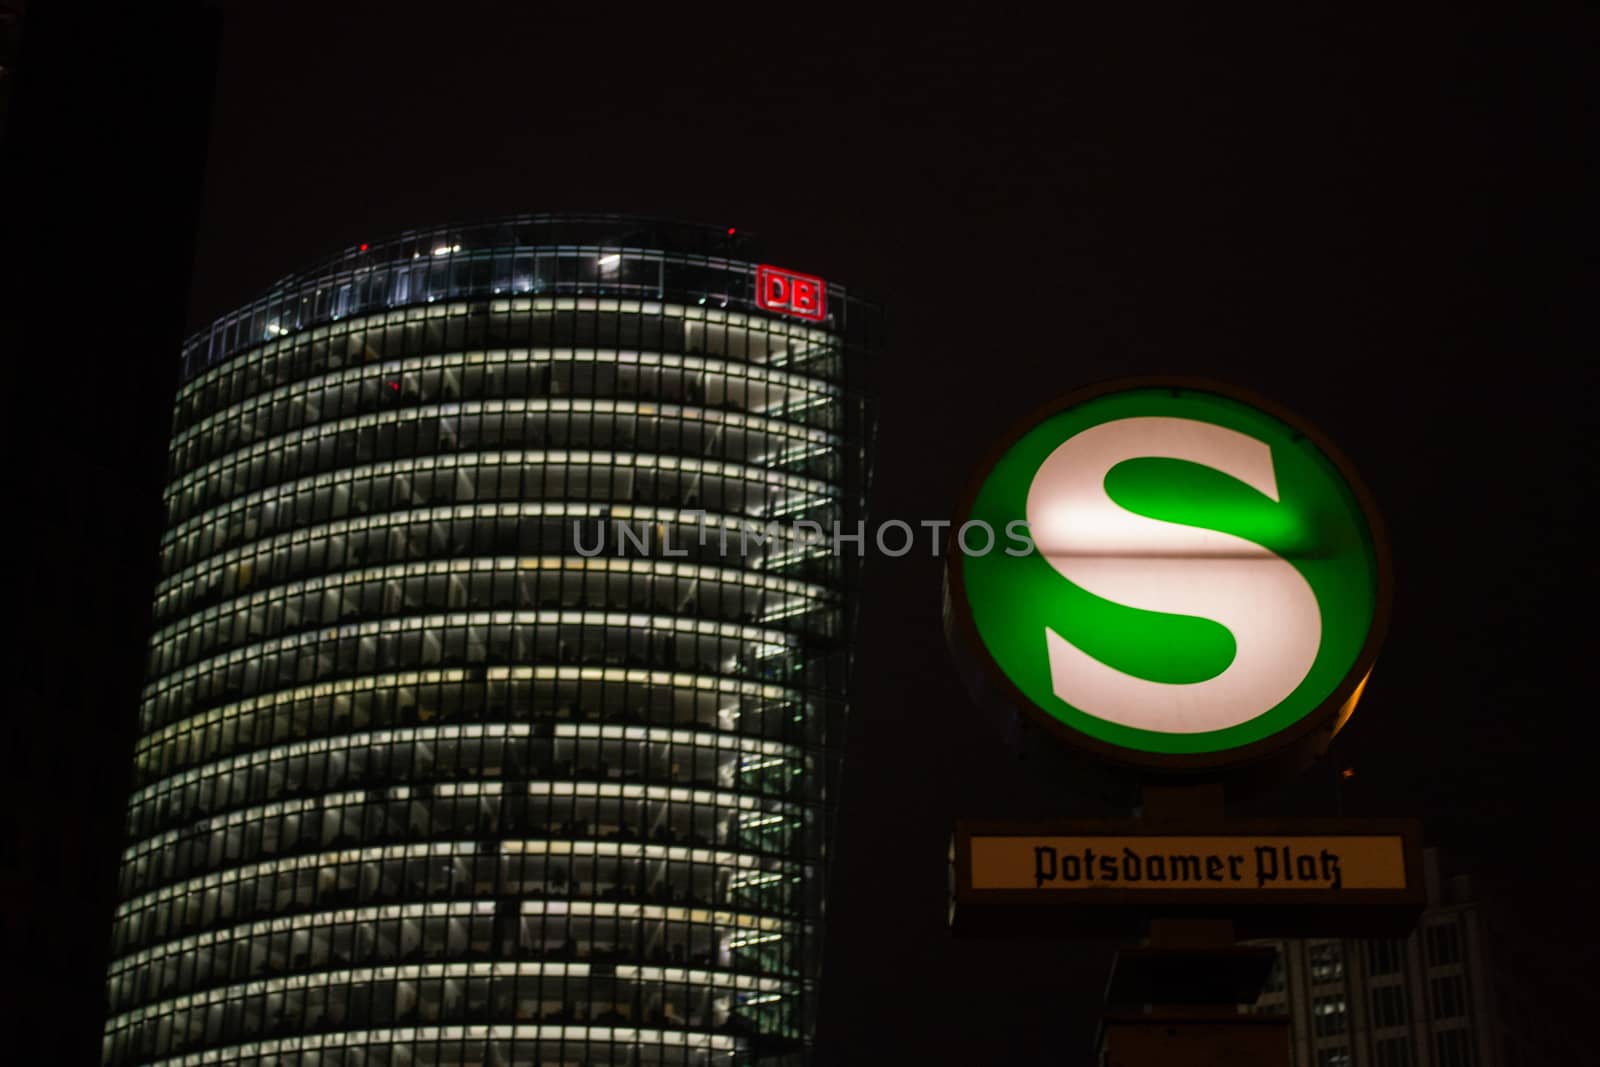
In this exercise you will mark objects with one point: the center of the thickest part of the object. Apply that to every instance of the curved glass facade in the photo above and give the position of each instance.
(492, 694)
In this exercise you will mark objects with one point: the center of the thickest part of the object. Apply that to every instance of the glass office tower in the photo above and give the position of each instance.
(492, 691)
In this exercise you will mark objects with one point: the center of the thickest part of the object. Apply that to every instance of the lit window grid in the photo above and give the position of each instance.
(632, 813)
(436, 511)
(410, 539)
(448, 1046)
(236, 778)
(500, 581)
(768, 442)
(239, 516)
(443, 487)
(772, 445)
(281, 821)
(286, 555)
(746, 946)
(272, 717)
(357, 703)
(436, 867)
(763, 772)
(364, 935)
(760, 365)
(244, 833)
(208, 405)
(161, 966)
(329, 451)
(487, 639)
(497, 627)
(534, 978)
(260, 447)
(529, 631)
(375, 405)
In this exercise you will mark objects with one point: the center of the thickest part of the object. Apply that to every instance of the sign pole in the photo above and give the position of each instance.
(1184, 966)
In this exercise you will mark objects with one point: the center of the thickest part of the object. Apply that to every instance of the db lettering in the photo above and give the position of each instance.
(788, 293)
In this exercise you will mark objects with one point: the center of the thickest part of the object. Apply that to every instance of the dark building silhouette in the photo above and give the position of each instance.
(11, 15)
(105, 113)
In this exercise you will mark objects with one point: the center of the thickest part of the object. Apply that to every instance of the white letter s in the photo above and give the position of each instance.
(1265, 603)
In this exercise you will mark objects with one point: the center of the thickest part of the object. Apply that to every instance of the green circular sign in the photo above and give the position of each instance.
(1207, 582)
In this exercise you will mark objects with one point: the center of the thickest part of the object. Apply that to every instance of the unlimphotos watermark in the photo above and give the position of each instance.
(894, 537)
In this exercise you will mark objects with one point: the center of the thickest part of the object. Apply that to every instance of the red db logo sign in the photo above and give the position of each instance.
(789, 293)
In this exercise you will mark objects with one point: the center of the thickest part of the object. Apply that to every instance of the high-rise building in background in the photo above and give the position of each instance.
(1447, 996)
(423, 778)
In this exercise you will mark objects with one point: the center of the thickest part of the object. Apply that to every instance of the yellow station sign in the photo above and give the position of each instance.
(1131, 864)
(1277, 878)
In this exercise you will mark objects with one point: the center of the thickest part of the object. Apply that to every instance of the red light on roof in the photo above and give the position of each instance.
(731, 231)
(363, 248)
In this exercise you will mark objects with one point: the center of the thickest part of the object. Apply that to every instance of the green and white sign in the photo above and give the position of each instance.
(1208, 582)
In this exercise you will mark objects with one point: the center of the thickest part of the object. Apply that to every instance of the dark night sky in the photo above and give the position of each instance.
(1374, 225)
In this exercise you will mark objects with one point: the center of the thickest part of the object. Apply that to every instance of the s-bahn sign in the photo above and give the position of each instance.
(1210, 586)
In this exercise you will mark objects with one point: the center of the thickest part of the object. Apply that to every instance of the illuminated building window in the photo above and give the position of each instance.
(1326, 961)
(1328, 1015)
